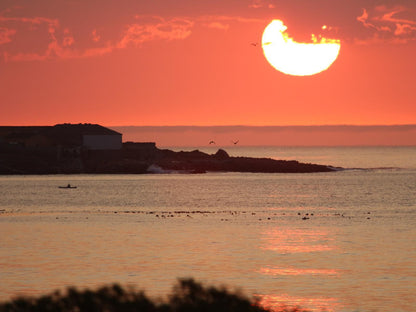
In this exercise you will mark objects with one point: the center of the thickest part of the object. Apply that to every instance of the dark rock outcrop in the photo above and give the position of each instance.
(221, 155)
(197, 161)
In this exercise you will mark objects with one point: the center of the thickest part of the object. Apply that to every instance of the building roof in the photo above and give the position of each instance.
(84, 129)
(67, 134)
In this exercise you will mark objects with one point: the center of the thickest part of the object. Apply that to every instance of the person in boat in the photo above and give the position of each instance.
(68, 186)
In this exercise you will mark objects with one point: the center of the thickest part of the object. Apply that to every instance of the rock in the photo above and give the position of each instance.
(221, 155)
(197, 161)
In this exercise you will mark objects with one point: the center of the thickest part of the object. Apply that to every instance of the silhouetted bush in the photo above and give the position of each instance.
(187, 296)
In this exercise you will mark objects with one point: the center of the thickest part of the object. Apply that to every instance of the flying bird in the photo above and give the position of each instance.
(235, 142)
(211, 142)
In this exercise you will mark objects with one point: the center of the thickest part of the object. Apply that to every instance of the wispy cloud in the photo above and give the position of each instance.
(60, 43)
(31, 20)
(228, 19)
(6, 34)
(363, 18)
(165, 29)
(388, 24)
(224, 22)
(95, 36)
(217, 25)
(68, 39)
(54, 48)
(31, 24)
(257, 4)
(51, 40)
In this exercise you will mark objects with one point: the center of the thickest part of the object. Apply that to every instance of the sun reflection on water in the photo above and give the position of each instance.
(307, 304)
(289, 240)
(297, 271)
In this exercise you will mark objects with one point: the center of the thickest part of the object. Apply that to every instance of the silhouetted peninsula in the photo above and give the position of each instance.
(199, 162)
(88, 148)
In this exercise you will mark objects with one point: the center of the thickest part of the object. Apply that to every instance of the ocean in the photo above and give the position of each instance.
(338, 241)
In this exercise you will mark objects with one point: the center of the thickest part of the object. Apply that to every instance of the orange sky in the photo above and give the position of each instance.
(184, 62)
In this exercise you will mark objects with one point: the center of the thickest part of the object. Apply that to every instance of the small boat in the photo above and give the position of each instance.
(69, 186)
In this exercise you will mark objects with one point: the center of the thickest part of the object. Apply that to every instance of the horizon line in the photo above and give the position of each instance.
(221, 126)
(267, 126)
(233, 128)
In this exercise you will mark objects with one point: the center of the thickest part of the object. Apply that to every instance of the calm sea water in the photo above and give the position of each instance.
(340, 241)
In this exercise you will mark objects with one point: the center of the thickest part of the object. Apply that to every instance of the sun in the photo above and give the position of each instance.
(297, 58)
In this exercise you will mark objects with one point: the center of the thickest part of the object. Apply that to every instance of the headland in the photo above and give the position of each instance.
(89, 148)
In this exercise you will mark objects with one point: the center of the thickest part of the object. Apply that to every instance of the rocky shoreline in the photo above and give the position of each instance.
(199, 162)
(134, 159)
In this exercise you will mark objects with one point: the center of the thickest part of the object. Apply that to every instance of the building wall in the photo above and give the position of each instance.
(102, 142)
(38, 141)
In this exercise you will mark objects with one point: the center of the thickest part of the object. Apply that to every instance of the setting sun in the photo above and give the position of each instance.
(297, 58)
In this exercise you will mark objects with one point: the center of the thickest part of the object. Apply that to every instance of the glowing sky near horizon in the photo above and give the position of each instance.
(201, 63)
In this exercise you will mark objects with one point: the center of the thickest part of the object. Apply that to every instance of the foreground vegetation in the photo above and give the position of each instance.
(187, 296)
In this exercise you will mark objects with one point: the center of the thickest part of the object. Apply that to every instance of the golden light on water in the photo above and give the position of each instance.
(311, 304)
(297, 271)
(287, 241)
(297, 58)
